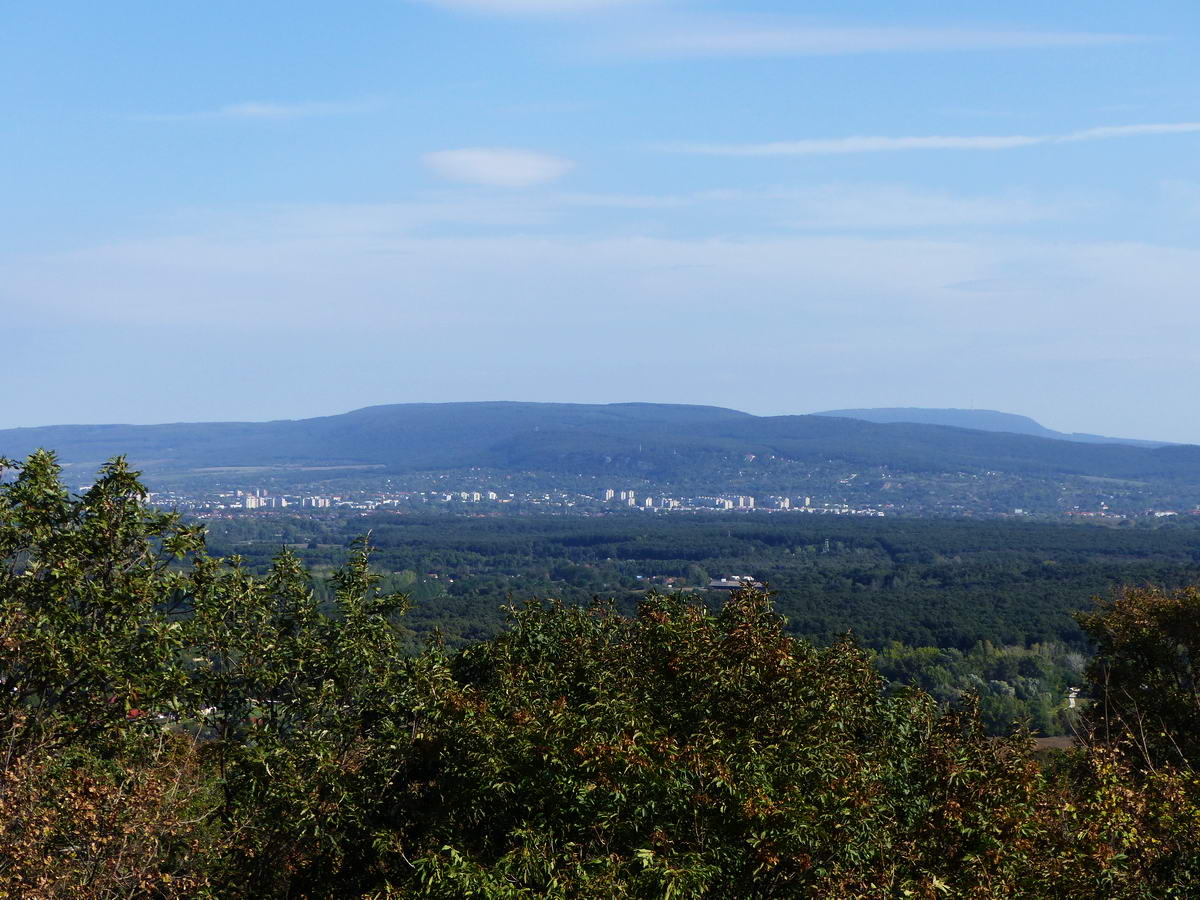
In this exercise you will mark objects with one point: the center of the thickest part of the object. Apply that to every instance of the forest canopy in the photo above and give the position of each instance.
(177, 724)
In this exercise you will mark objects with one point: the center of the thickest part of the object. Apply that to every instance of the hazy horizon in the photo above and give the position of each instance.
(241, 213)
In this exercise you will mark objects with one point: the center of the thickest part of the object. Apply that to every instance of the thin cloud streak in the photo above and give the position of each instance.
(842, 207)
(879, 144)
(257, 110)
(724, 213)
(734, 38)
(1116, 131)
(497, 166)
(528, 7)
(1033, 316)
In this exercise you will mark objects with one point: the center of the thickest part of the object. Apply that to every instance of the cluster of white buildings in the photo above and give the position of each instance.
(257, 499)
(261, 499)
(730, 502)
(471, 497)
(630, 498)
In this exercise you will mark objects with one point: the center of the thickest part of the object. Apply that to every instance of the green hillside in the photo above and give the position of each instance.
(559, 435)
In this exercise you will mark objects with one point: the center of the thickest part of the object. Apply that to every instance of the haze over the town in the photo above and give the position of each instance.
(255, 211)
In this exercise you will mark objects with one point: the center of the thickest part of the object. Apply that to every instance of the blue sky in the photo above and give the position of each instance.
(273, 210)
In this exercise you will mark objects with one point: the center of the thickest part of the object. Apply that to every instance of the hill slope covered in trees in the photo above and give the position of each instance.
(687, 445)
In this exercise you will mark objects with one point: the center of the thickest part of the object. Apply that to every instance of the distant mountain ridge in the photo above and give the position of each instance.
(692, 450)
(979, 420)
(402, 436)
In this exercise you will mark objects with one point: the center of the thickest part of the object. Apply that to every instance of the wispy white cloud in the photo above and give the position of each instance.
(1023, 285)
(253, 109)
(858, 145)
(842, 207)
(879, 144)
(1117, 131)
(895, 207)
(1042, 321)
(625, 201)
(776, 37)
(807, 287)
(292, 110)
(497, 166)
(528, 7)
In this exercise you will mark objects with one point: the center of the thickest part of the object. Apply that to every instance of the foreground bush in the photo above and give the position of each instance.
(79, 827)
(1146, 672)
(177, 725)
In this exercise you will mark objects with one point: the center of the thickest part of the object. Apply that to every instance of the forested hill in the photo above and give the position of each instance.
(665, 443)
(981, 420)
(402, 436)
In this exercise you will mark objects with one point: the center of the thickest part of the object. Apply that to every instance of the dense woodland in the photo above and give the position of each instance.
(949, 605)
(177, 724)
(928, 582)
